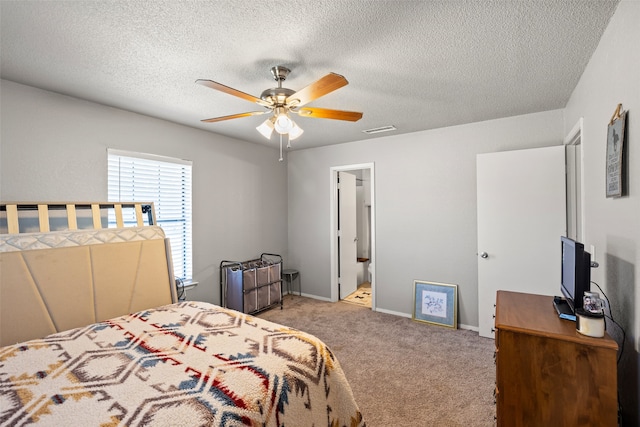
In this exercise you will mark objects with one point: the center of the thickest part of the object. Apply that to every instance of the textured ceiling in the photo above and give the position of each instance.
(413, 64)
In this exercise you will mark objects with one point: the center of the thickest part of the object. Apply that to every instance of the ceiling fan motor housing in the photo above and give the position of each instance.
(278, 95)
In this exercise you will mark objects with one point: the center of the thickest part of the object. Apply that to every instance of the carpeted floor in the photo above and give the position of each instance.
(402, 372)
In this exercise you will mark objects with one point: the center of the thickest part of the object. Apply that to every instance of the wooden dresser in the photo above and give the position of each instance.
(548, 374)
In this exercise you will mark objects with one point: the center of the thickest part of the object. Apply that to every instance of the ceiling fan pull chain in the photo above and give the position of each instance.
(288, 141)
(280, 159)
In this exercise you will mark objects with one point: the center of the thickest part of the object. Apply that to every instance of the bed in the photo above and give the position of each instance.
(92, 334)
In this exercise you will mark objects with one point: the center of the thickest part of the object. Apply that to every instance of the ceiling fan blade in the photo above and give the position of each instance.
(324, 113)
(234, 116)
(232, 91)
(315, 90)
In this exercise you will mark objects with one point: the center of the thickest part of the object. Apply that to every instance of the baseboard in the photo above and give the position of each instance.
(313, 297)
(398, 313)
(395, 313)
(468, 327)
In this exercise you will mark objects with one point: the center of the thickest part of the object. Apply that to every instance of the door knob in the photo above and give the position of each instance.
(484, 255)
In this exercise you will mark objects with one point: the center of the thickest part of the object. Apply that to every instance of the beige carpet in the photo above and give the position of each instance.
(402, 372)
(362, 296)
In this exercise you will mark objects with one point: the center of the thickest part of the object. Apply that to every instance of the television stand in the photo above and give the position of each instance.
(563, 309)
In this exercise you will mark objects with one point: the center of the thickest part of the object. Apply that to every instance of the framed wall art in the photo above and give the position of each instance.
(435, 303)
(615, 151)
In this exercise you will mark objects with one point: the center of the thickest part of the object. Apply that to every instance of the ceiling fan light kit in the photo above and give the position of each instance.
(266, 128)
(281, 101)
(295, 132)
(283, 124)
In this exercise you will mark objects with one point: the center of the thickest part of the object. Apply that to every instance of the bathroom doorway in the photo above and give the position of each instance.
(364, 258)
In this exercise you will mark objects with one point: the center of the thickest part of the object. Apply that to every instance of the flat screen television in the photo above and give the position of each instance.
(576, 272)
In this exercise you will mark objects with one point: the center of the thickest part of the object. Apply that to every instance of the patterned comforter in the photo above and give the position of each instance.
(185, 364)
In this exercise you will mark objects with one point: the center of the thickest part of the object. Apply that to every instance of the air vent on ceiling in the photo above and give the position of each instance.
(380, 129)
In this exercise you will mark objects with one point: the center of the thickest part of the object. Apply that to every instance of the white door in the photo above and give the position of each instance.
(521, 216)
(347, 234)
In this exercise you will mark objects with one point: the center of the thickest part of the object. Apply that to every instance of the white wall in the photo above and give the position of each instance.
(613, 225)
(54, 148)
(425, 205)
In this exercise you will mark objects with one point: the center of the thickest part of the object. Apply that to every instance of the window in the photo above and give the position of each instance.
(135, 177)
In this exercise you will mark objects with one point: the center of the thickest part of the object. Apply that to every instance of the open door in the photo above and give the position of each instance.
(521, 216)
(347, 234)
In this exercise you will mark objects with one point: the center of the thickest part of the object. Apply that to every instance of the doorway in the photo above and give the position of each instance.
(365, 183)
(573, 150)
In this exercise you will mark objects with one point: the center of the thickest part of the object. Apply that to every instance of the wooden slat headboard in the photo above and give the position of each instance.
(12, 212)
(87, 276)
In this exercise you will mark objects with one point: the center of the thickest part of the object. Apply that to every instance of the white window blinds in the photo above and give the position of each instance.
(166, 182)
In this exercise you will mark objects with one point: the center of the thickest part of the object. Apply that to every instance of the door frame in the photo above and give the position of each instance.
(333, 227)
(575, 182)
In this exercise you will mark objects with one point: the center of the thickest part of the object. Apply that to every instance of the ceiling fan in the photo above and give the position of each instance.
(281, 101)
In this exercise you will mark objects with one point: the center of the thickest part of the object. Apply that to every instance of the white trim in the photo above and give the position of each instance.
(147, 156)
(574, 134)
(315, 297)
(410, 316)
(333, 225)
(574, 138)
(468, 327)
(395, 313)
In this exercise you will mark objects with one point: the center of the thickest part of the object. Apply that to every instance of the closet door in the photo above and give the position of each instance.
(521, 216)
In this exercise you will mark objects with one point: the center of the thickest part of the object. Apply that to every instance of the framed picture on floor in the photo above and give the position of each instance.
(435, 303)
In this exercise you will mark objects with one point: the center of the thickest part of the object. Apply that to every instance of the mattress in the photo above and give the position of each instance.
(189, 363)
(70, 238)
